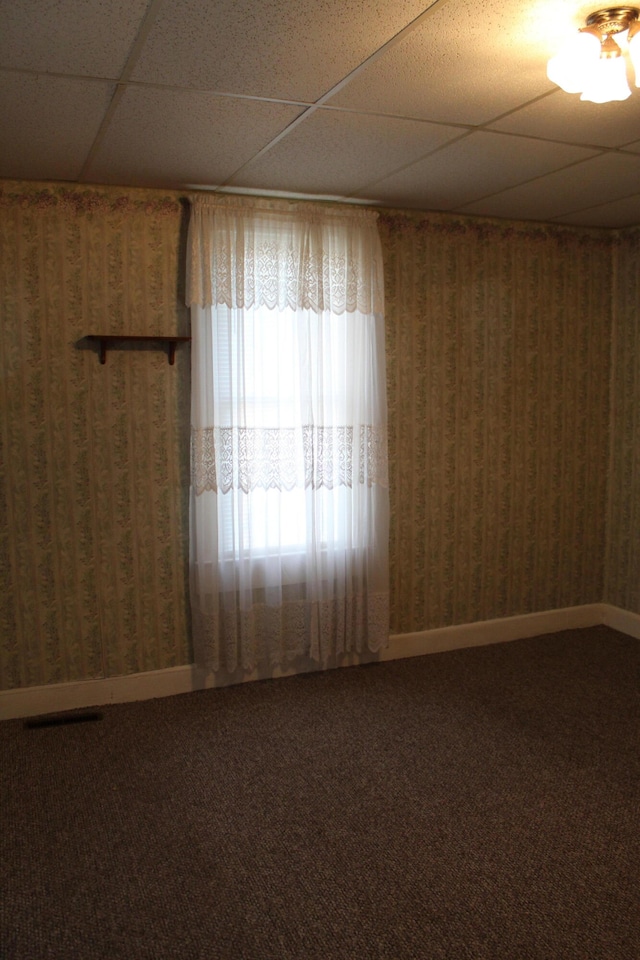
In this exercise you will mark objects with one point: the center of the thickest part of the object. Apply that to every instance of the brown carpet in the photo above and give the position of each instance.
(475, 804)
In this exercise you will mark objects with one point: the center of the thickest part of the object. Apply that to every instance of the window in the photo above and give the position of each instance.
(283, 390)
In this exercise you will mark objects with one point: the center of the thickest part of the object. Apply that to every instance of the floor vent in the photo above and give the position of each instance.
(62, 719)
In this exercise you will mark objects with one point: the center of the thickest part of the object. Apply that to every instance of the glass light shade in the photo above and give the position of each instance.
(634, 49)
(571, 67)
(607, 81)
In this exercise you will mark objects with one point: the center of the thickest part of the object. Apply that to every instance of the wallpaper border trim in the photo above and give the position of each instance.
(54, 698)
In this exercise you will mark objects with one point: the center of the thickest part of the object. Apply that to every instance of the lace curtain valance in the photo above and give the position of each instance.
(281, 254)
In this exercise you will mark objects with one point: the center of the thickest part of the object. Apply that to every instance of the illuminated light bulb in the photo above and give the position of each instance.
(571, 67)
(608, 79)
(633, 38)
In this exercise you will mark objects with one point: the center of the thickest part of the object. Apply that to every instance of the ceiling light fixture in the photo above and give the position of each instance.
(592, 62)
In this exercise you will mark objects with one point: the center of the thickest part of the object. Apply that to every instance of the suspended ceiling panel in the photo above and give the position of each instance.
(69, 36)
(339, 152)
(464, 64)
(271, 48)
(48, 124)
(607, 177)
(564, 117)
(497, 162)
(618, 213)
(175, 137)
(426, 105)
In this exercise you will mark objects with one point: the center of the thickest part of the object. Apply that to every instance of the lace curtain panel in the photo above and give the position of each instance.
(289, 473)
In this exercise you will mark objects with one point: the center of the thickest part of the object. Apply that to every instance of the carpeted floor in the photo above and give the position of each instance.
(476, 804)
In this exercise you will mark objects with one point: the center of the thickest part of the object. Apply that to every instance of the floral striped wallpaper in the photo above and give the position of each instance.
(499, 342)
(498, 368)
(623, 553)
(94, 458)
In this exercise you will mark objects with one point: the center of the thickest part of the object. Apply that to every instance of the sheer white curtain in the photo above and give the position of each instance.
(289, 491)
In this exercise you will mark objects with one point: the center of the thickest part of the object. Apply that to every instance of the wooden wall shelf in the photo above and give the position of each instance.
(106, 341)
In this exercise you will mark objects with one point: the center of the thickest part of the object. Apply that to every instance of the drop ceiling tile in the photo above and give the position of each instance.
(48, 124)
(69, 36)
(565, 117)
(479, 164)
(618, 213)
(337, 153)
(179, 137)
(275, 48)
(460, 66)
(610, 176)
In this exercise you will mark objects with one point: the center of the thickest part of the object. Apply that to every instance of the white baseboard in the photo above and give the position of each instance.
(492, 631)
(622, 620)
(55, 698)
